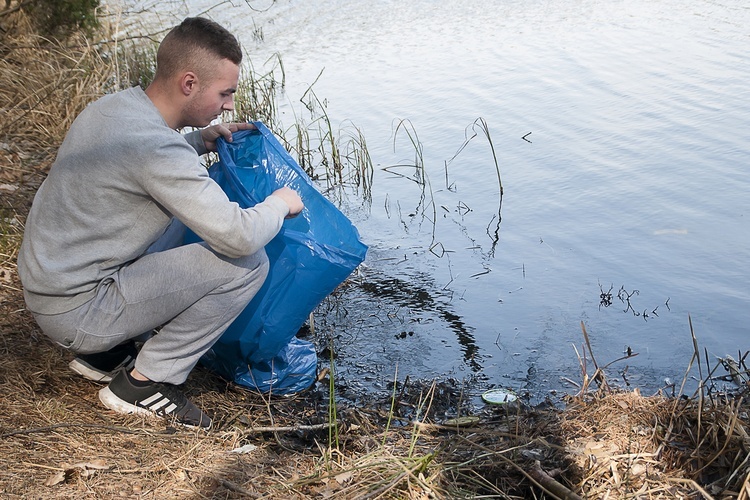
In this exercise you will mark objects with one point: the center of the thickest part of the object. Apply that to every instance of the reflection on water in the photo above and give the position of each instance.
(381, 324)
(418, 299)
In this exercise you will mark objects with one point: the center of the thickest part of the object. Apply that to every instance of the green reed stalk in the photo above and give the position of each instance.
(420, 177)
(333, 428)
(393, 406)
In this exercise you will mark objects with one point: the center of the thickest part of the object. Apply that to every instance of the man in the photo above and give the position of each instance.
(97, 261)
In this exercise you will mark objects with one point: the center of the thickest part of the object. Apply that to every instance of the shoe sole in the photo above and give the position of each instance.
(114, 403)
(89, 372)
(108, 399)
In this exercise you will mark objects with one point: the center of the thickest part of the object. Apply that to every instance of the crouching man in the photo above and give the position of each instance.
(96, 265)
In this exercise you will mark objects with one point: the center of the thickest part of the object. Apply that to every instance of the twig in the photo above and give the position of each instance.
(472, 429)
(289, 428)
(13, 9)
(550, 484)
(237, 488)
(729, 434)
(631, 355)
(62, 425)
(588, 344)
(408, 472)
(691, 483)
(745, 490)
(695, 346)
(598, 376)
(527, 474)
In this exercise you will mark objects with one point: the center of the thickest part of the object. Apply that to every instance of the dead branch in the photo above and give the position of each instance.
(550, 484)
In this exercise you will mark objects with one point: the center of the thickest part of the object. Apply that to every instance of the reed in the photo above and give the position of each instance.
(135, 62)
(333, 430)
(334, 158)
(419, 175)
(57, 81)
(471, 133)
(693, 441)
(256, 98)
(328, 146)
(357, 157)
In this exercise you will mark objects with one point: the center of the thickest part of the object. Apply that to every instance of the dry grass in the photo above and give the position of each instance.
(44, 84)
(658, 446)
(57, 441)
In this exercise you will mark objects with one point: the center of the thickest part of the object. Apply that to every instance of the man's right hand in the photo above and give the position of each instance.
(292, 199)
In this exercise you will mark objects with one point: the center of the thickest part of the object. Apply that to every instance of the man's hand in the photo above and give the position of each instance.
(292, 199)
(225, 130)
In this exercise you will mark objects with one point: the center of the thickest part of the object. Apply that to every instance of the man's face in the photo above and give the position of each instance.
(214, 95)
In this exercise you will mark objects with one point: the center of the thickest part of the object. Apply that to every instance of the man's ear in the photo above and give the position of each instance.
(189, 83)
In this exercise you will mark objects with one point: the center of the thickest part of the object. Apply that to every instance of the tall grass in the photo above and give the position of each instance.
(257, 93)
(45, 83)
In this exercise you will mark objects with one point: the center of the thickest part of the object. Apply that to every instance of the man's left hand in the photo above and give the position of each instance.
(225, 130)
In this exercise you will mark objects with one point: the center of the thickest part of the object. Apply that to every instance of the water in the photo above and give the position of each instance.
(621, 134)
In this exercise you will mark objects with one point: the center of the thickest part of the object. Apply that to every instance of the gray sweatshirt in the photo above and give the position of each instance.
(120, 176)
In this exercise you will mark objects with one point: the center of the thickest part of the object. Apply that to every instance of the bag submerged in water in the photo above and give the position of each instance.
(312, 254)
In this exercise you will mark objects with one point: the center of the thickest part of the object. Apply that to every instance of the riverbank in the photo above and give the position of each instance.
(59, 442)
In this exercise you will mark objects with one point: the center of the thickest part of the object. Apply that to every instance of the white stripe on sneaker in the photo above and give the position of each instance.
(151, 399)
(158, 404)
(158, 401)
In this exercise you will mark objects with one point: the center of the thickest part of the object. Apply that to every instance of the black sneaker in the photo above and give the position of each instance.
(101, 366)
(164, 400)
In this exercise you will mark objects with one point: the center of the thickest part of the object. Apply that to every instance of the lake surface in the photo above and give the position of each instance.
(621, 133)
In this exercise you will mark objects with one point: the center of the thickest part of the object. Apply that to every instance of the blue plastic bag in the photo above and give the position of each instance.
(312, 254)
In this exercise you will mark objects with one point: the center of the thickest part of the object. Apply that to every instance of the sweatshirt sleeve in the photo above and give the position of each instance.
(194, 139)
(179, 183)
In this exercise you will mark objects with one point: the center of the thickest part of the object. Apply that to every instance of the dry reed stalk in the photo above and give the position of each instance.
(627, 444)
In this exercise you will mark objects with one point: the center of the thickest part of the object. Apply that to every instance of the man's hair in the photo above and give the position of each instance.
(192, 44)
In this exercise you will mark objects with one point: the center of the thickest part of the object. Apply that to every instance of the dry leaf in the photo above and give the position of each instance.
(5, 275)
(344, 477)
(98, 464)
(324, 491)
(245, 449)
(57, 478)
(638, 469)
(87, 469)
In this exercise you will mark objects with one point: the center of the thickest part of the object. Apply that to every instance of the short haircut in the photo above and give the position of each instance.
(192, 44)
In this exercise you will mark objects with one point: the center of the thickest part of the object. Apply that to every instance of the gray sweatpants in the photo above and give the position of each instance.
(191, 290)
